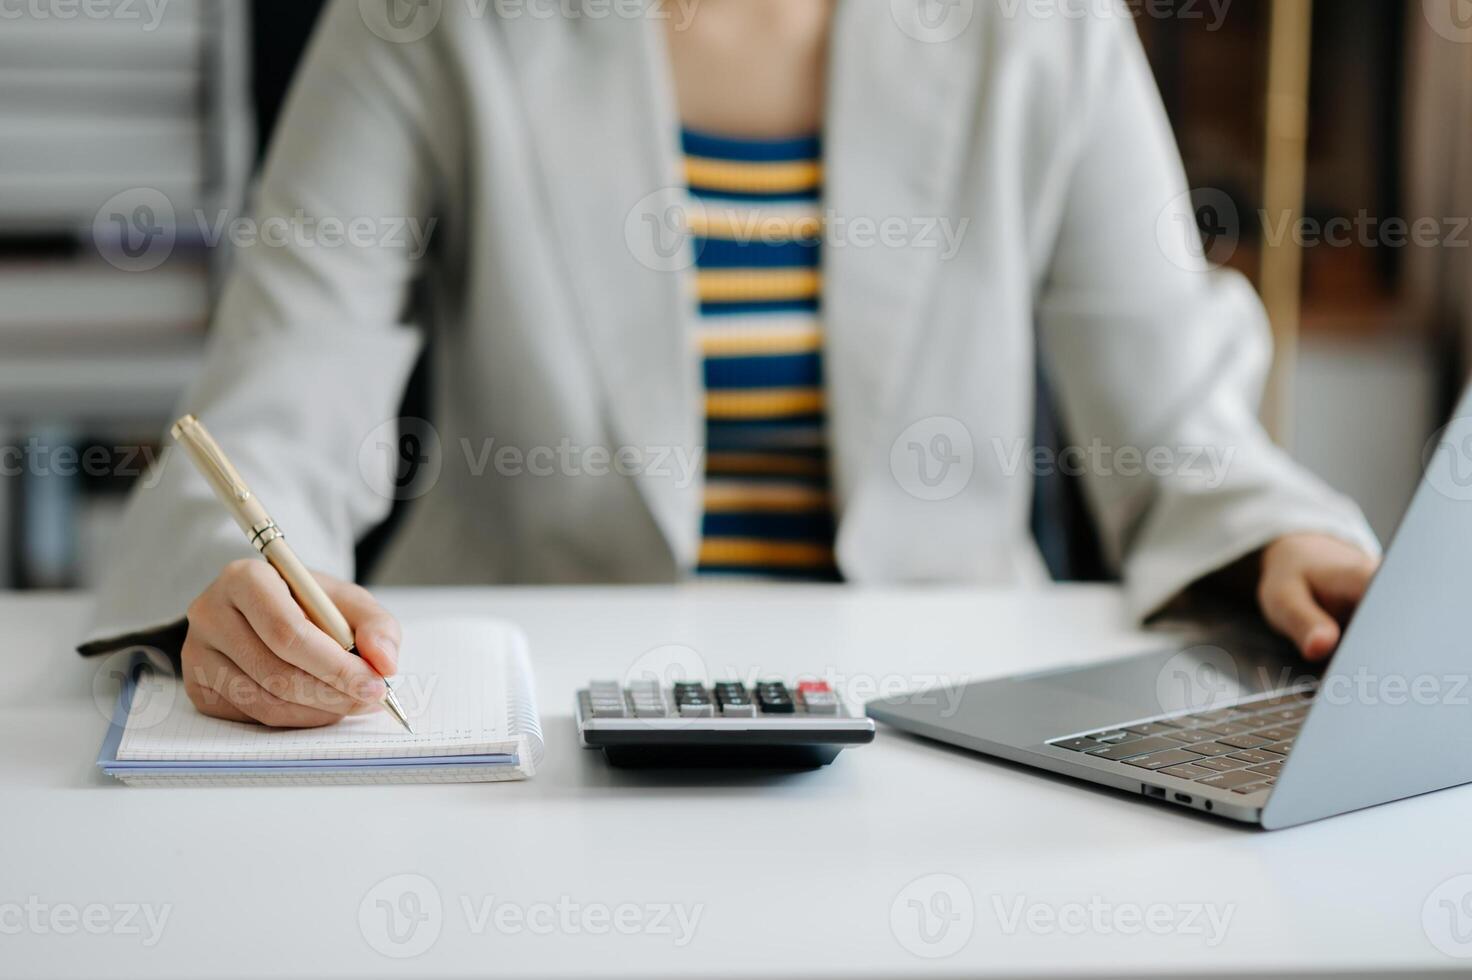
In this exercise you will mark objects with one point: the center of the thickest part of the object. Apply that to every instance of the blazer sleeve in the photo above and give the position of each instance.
(1159, 360)
(311, 345)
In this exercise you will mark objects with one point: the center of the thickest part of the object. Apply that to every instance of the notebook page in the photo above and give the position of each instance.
(453, 684)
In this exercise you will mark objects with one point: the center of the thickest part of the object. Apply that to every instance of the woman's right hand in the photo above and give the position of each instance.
(251, 654)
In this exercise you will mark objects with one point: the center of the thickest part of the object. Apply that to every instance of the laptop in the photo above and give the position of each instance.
(1239, 727)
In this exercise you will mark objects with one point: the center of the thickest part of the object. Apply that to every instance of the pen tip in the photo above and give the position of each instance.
(391, 705)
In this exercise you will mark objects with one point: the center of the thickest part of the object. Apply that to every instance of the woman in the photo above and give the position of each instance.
(750, 287)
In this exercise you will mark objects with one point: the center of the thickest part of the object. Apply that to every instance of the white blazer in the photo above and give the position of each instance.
(546, 151)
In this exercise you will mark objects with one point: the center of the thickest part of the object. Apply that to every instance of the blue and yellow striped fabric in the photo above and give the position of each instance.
(756, 218)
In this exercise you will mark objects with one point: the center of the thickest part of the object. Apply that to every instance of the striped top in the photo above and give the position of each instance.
(758, 234)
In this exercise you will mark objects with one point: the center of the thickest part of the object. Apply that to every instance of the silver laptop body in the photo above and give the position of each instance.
(1239, 727)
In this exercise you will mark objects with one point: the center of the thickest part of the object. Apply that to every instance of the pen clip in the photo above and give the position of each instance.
(191, 432)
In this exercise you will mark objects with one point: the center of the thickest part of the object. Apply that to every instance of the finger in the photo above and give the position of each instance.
(376, 632)
(212, 671)
(205, 699)
(262, 596)
(238, 641)
(1344, 583)
(1290, 606)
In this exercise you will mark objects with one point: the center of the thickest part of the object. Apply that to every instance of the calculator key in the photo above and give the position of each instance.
(774, 699)
(730, 692)
(819, 703)
(691, 693)
(706, 710)
(609, 709)
(744, 710)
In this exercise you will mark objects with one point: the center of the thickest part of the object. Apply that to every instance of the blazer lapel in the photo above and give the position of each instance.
(899, 110)
(603, 127)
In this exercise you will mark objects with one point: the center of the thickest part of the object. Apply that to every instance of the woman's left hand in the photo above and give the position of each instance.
(1309, 586)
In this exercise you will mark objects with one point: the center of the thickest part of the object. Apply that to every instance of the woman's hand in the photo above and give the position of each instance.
(251, 654)
(1309, 586)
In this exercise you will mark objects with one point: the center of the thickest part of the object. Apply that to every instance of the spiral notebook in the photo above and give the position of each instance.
(466, 685)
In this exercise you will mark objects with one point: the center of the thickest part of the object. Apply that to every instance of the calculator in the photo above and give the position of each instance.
(725, 724)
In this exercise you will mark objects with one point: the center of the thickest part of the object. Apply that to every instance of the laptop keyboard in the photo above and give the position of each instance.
(1239, 748)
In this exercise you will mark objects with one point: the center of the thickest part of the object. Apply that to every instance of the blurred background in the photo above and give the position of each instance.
(1329, 145)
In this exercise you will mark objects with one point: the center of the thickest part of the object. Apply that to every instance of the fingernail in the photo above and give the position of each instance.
(1319, 643)
(388, 648)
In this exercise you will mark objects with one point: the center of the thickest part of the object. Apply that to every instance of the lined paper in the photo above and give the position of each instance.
(464, 683)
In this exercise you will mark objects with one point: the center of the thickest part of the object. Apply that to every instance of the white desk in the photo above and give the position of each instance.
(790, 874)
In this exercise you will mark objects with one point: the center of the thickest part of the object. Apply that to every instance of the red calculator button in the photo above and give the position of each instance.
(814, 687)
